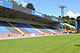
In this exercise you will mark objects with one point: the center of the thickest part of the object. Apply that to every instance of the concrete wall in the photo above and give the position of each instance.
(20, 20)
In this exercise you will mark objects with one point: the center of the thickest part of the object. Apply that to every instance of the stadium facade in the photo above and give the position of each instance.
(15, 20)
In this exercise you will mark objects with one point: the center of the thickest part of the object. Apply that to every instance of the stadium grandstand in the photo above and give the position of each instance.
(17, 21)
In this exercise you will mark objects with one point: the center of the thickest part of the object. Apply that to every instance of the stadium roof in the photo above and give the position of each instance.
(11, 10)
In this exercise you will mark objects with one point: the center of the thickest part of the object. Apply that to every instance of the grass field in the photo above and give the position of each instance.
(51, 44)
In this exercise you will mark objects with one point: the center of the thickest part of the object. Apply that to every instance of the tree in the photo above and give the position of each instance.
(72, 29)
(12, 1)
(69, 28)
(78, 17)
(66, 17)
(64, 26)
(72, 18)
(8, 0)
(60, 18)
(30, 6)
(20, 5)
(54, 17)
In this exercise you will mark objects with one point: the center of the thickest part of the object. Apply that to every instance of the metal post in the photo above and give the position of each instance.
(62, 13)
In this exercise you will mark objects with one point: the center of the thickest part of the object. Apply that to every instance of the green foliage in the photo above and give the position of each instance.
(60, 18)
(68, 27)
(57, 17)
(72, 18)
(78, 17)
(64, 26)
(71, 22)
(8, 0)
(30, 6)
(66, 18)
(14, 2)
(73, 29)
(20, 5)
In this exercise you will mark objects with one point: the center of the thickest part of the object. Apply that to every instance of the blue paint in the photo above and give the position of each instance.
(37, 14)
(4, 30)
(76, 24)
(59, 21)
(54, 19)
(6, 4)
(44, 28)
(28, 28)
(51, 29)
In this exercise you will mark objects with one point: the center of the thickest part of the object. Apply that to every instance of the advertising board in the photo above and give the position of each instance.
(37, 14)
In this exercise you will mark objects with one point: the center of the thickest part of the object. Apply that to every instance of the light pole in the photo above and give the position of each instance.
(62, 13)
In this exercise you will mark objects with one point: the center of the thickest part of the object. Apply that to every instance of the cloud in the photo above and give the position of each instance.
(24, 4)
(18, 0)
(71, 14)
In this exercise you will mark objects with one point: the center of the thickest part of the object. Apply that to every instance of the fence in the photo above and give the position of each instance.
(26, 35)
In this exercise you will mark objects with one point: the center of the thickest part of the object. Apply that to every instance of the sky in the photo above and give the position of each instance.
(51, 7)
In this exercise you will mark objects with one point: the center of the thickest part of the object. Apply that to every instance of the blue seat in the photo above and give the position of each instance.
(51, 29)
(4, 30)
(28, 28)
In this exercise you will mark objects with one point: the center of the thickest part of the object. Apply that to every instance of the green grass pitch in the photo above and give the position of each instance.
(49, 44)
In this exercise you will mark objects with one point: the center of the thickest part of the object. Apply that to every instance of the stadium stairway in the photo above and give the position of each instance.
(25, 28)
(28, 28)
(16, 28)
(21, 29)
(54, 30)
(51, 30)
(35, 28)
(4, 30)
(41, 28)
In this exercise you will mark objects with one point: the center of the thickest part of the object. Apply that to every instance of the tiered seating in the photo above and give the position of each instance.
(51, 28)
(28, 28)
(9, 27)
(41, 28)
(20, 27)
(4, 30)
